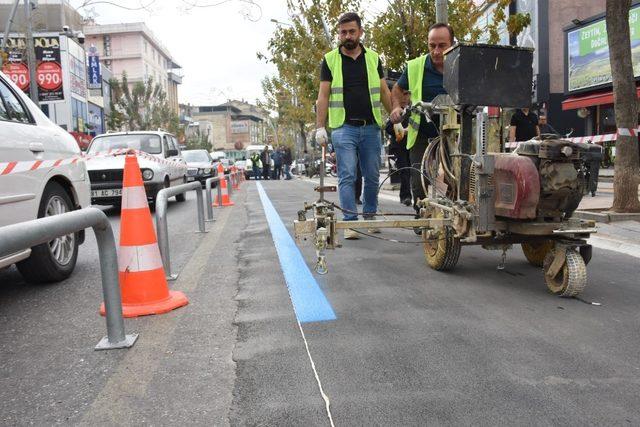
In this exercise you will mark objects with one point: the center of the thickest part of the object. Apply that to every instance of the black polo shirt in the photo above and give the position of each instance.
(525, 125)
(357, 102)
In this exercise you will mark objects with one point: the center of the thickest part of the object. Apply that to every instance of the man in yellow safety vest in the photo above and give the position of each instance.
(422, 77)
(352, 92)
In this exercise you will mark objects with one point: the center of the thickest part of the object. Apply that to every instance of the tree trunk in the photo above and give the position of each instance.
(627, 171)
(304, 136)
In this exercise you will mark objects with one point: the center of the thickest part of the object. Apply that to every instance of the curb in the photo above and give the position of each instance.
(606, 217)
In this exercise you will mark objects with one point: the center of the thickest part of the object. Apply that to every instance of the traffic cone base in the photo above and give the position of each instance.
(175, 300)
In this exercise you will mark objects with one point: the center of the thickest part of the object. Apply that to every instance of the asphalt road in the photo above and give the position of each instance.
(408, 346)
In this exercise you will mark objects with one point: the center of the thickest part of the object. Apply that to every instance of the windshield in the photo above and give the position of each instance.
(148, 143)
(196, 156)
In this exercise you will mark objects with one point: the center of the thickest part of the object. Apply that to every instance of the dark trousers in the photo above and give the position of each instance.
(415, 156)
(265, 171)
(277, 172)
(403, 160)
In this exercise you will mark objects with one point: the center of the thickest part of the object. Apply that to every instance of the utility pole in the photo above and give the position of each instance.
(31, 54)
(7, 30)
(441, 12)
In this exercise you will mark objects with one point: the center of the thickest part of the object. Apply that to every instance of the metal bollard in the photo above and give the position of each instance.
(17, 237)
(209, 200)
(220, 188)
(229, 186)
(162, 229)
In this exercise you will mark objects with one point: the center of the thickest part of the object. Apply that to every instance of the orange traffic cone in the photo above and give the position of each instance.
(142, 279)
(226, 201)
(236, 179)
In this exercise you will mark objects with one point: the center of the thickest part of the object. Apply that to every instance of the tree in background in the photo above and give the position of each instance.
(626, 176)
(141, 107)
(400, 32)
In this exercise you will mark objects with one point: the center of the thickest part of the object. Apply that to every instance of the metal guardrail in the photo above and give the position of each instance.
(17, 237)
(161, 219)
(207, 184)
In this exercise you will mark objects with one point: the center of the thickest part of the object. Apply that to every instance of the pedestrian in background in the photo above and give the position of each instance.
(256, 165)
(544, 126)
(352, 92)
(266, 162)
(523, 126)
(276, 156)
(287, 159)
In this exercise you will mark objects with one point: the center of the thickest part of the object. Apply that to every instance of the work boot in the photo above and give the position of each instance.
(406, 201)
(371, 230)
(350, 234)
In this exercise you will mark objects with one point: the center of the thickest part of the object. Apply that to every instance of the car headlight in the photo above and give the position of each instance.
(208, 170)
(147, 174)
(200, 171)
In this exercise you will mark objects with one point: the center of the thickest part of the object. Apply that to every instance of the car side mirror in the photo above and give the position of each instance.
(172, 152)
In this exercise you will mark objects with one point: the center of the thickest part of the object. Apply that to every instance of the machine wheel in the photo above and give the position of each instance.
(571, 279)
(442, 254)
(536, 252)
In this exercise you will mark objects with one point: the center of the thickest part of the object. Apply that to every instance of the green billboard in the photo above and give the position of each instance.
(588, 53)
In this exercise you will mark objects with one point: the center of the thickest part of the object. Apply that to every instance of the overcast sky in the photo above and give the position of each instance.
(216, 46)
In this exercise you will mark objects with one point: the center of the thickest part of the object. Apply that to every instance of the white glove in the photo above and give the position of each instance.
(321, 136)
(399, 131)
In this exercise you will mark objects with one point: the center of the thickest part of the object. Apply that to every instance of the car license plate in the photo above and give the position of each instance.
(113, 192)
(190, 178)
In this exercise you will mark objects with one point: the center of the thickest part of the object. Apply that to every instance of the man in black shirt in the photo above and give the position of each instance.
(352, 90)
(524, 125)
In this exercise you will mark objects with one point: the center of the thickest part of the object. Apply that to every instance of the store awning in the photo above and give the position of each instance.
(589, 100)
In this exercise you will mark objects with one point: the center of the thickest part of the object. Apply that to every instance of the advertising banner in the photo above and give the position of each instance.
(49, 69)
(588, 54)
(94, 76)
(48, 66)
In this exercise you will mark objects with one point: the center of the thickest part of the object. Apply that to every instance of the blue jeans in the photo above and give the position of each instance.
(256, 172)
(287, 171)
(353, 143)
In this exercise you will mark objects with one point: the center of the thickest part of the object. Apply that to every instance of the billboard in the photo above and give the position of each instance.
(48, 66)
(587, 54)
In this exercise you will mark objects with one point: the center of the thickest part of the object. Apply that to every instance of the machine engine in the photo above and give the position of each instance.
(541, 179)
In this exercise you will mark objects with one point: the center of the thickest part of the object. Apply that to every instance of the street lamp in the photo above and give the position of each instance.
(275, 21)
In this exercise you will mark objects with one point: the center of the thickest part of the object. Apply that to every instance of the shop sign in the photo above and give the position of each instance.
(587, 60)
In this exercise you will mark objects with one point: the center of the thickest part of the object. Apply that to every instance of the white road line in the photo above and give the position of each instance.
(327, 403)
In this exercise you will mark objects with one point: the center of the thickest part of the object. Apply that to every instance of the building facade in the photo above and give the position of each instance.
(134, 49)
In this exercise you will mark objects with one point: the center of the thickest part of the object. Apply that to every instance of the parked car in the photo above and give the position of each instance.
(200, 166)
(226, 164)
(217, 155)
(38, 179)
(162, 167)
(241, 165)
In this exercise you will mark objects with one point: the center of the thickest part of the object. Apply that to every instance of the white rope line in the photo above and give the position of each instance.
(327, 403)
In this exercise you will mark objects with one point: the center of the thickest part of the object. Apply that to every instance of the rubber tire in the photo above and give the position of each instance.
(182, 197)
(447, 250)
(536, 252)
(41, 267)
(571, 280)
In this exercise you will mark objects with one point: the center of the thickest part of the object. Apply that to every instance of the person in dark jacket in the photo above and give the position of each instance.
(266, 162)
(277, 163)
(287, 159)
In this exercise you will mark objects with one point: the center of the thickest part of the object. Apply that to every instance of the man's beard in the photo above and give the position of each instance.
(350, 44)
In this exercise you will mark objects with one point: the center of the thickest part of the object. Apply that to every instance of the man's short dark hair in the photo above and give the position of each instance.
(350, 17)
(442, 25)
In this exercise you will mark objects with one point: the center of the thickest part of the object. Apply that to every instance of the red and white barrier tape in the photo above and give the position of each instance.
(8, 168)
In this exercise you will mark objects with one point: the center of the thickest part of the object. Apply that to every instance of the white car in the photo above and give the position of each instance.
(161, 164)
(41, 174)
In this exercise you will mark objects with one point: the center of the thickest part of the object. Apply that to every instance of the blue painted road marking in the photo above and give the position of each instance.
(309, 302)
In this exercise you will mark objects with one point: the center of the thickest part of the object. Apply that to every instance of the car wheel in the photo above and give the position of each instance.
(53, 261)
(183, 196)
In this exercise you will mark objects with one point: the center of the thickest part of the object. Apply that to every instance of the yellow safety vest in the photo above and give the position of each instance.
(337, 112)
(415, 73)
